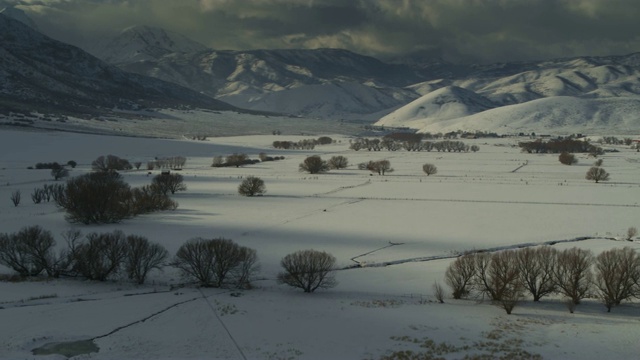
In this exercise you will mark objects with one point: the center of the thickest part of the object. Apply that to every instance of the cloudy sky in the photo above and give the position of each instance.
(460, 30)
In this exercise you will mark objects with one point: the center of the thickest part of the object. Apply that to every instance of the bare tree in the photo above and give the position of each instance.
(631, 233)
(537, 268)
(142, 256)
(573, 273)
(597, 174)
(99, 256)
(438, 292)
(251, 186)
(598, 162)
(497, 276)
(211, 262)
(16, 196)
(165, 183)
(218, 161)
(429, 169)
(110, 163)
(617, 275)
(236, 159)
(380, 167)
(338, 162)
(28, 252)
(460, 274)
(308, 270)
(314, 165)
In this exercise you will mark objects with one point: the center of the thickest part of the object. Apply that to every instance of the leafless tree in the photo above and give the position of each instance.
(16, 196)
(380, 167)
(165, 183)
(314, 165)
(597, 174)
(218, 161)
(210, 262)
(338, 162)
(147, 199)
(617, 275)
(537, 267)
(236, 159)
(429, 169)
(246, 268)
(573, 273)
(99, 256)
(29, 252)
(631, 233)
(498, 277)
(251, 186)
(308, 270)
(460, 274)
(598, 163)
(137, 164)
(142, 256)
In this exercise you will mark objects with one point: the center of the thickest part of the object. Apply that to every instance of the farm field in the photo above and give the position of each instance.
(403, 229)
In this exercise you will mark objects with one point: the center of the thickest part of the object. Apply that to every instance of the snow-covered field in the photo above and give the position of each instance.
(498, 197)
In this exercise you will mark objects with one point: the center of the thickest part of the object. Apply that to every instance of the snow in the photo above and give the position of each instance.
(476, 201)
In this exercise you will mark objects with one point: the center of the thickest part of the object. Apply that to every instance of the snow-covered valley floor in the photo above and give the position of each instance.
(475, 201)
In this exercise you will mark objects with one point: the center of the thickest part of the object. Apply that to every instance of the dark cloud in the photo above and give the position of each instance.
(475, 30)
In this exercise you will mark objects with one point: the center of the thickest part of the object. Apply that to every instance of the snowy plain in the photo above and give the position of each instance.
(497, 197)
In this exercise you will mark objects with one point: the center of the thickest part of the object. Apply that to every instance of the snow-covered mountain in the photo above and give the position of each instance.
(38, 73)
(142, 43)
(17, 14)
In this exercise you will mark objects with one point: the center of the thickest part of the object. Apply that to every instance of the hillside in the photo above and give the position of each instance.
(38, 73)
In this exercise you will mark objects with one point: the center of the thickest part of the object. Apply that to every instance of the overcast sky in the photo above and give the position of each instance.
(461, 30)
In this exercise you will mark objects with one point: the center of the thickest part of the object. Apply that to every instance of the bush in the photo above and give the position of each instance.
(96, 198)
(164, 183)
(72, 164)
(338, 162)
(110, 163)
(308, 270)
(212, 262)
(142, 256)
(567, 158)
(15, 197)
(251, 186)
(59, 173)
(429, 169)
(148, 199)
(380, 167)
(314, 165)
(597, 174)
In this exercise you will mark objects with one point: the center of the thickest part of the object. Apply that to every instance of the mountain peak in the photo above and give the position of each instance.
(18, 14)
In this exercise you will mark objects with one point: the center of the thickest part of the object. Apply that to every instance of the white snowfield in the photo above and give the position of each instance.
(475, 201)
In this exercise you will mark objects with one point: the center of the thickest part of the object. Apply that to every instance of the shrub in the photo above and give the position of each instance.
(142, 256)
(110, 163)
(314, 165)
(164, 183)
(567, 158)
(72, 164)
(148, 199)
(631, 233)
(38, 195)
(308, 270)
(212, 262)
(338, 162)
(597, 174)
(429, 169)
(236, 160)
(251, 186)
(59, 173)
(95, 198)
(380, 167)
(15, 197)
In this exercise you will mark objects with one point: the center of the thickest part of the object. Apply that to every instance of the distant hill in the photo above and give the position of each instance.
(38, 73)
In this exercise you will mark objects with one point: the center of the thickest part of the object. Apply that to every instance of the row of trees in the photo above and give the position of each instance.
(215, 262)
(504, 277)
(414, 143)
(306, 144)
(556, 146)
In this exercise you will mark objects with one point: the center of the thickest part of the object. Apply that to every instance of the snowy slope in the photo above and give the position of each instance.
(449, 102)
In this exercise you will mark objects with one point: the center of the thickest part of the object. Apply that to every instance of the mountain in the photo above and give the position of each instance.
(597, 92)
(142, 43)
(38, 73)
(253, 79)
(19, 15)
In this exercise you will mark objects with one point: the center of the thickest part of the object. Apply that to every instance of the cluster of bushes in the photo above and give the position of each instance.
(215, 262)
(264, 157)
(54, 165)
(556, 146)
(306, 144)
(504, 277)
(380, 167)
(235, 159)
(110, 163)
(104, 197)
(410, 142)
(612, 140)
